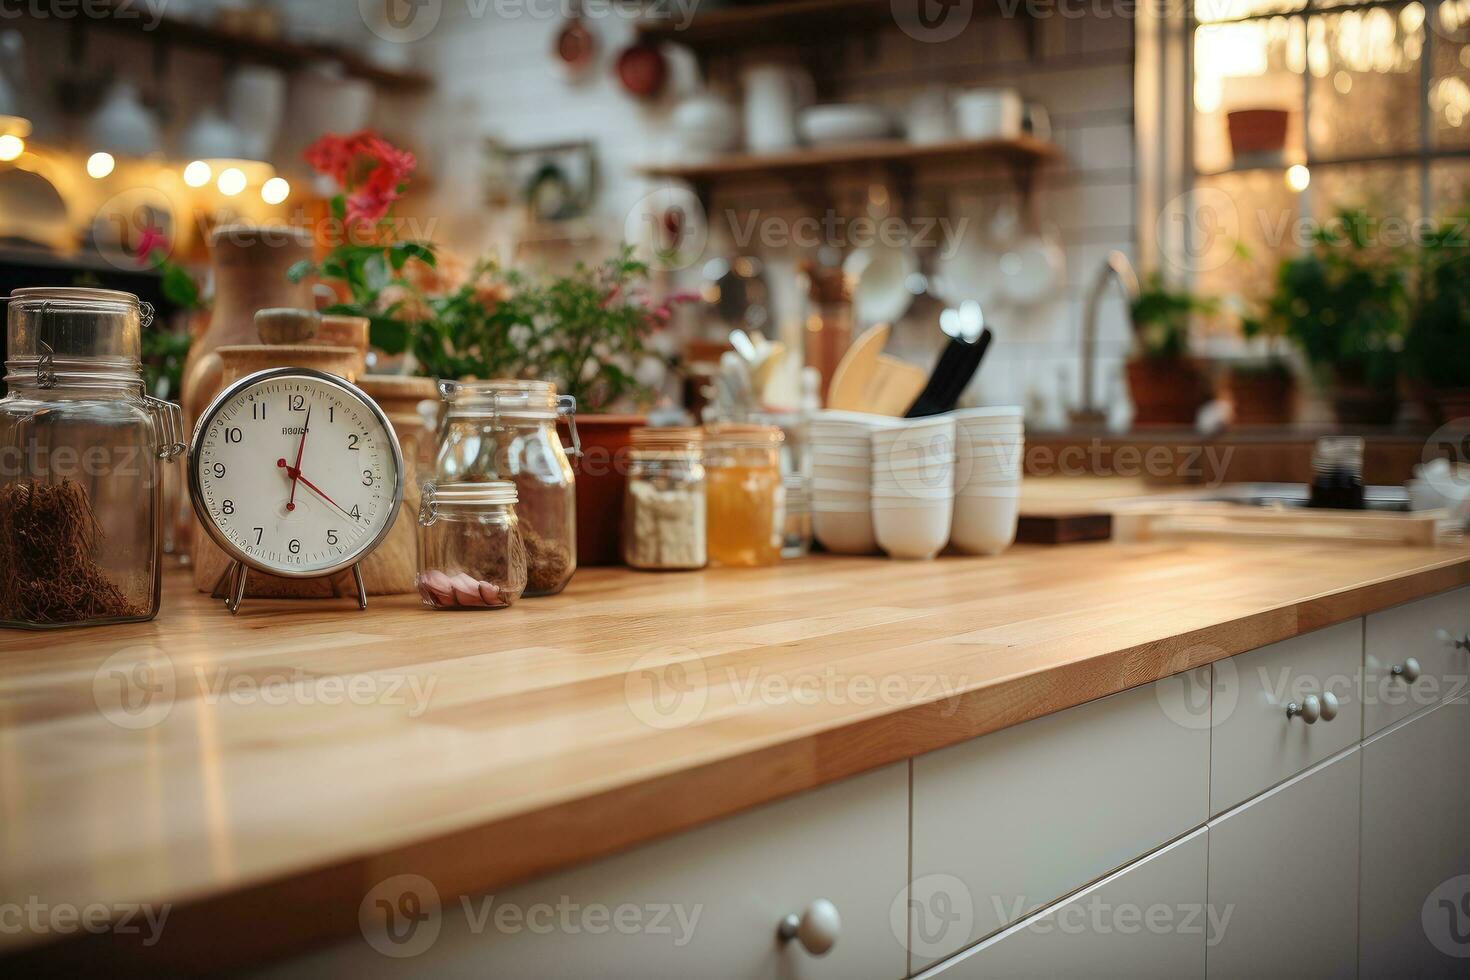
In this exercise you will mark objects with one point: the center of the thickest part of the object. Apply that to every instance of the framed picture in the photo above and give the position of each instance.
(554, 182)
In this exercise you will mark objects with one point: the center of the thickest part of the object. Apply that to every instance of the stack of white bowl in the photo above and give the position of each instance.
(841, 491)
(913, 487)
(991, 446)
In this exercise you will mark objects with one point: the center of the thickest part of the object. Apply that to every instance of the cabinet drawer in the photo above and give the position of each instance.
(708, 902)
(1284, 869)
(1147, 921)
(1413, 631)
(1256, 744)
(1416, 847)
(1009, 822)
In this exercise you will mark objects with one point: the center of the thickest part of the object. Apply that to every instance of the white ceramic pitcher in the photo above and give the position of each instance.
(773, 96)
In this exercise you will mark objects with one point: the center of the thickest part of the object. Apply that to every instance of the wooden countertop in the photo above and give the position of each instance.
(294, 756)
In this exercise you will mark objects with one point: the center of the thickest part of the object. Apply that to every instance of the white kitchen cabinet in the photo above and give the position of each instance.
(1416, 838)
(1147, 921)
(704, 903)
(1416, 655)
(1256, 742)
(1009, 822)
(1284, 878)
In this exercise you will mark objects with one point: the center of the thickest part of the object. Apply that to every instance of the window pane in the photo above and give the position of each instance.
(1449, 183)
(1365, 81)
(1252, 65)
(1449, 92)
(1265, 220)
(1389, 193)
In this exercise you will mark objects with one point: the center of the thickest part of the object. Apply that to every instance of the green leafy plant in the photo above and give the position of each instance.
(1438, 342)
(1161, 318)
(1344, 304)
(166, 348)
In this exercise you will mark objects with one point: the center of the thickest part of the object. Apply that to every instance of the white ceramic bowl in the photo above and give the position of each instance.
(912, 531)
(987, 412)
(829, 124)
(845, 532)
(864, 419)
(985, 525)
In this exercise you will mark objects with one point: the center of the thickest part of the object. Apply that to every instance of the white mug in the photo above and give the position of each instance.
(989, 113)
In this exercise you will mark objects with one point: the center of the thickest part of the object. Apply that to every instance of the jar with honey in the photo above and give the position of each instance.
(745, 502)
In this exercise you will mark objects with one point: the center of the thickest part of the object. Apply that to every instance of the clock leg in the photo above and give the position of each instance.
(361, 588)
(242, 573)
(226, 583)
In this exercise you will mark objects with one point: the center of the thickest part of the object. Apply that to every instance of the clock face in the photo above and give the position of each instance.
(295, 473)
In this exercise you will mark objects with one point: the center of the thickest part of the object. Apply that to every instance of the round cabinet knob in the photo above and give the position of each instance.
(1309, 710)
(1449, 640)
(1409, 670)
(1330, 705)
(816, 928)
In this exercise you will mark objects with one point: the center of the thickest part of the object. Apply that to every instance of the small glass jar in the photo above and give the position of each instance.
(83, 452)
(471, 554)
(745, 505)
(664, 506)
(506, 430)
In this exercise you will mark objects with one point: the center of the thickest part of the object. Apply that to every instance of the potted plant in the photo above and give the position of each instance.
(1262, 389)
(1345, 306)
(1438, 344)
(1167, 386)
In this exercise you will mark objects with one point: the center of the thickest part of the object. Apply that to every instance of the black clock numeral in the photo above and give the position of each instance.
(227, 508)
(233, 434)
(219, 470)
(331, 413)
(367, 478)
(257, 411)
(294, 547)
(352, 441)
(297, 403)
(332, 537)
(356, 514)
(259, 533)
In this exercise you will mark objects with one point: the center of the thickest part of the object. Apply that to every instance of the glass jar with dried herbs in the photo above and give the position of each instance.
(506, 430)
(82, 457)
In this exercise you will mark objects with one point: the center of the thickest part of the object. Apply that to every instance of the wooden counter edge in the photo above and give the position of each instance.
(294, 913)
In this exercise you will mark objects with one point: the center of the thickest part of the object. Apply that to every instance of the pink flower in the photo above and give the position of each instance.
(150, 240)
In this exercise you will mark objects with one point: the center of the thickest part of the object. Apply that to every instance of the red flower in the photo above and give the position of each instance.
(150, 239)
(369, 169)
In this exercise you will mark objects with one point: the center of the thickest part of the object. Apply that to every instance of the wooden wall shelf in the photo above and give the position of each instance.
(765, 23)
(235, 46)
(1024, 151)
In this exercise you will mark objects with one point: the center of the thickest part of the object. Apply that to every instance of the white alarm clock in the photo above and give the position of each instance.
(297, 473)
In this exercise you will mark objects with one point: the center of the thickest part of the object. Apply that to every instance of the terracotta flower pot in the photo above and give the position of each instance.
(1254, 132)
(602, 476)
(1363, 404)
(1166, 391)
(1262, 397)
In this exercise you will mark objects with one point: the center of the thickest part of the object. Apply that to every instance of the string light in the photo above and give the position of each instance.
(275, 191)
(100, 165)
(198, 173)
(11, 147)
(1298, 177)
(232, 181)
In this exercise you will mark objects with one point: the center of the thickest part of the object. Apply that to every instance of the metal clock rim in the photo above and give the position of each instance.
(196, 493)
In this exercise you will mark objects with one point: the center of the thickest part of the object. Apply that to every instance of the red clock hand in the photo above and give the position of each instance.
(295, 472)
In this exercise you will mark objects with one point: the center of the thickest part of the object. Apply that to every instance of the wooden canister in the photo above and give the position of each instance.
(391, 568)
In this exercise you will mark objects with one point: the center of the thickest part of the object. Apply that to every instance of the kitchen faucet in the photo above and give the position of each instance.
(1115, 267)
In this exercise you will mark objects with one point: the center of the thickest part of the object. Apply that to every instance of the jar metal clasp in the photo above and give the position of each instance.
(566, 406)
(428, 507)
